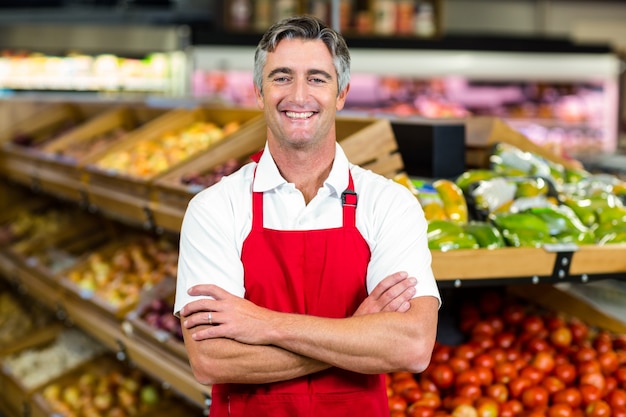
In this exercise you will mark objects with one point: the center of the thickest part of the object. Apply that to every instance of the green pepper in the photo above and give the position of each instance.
(560, 219)
(446, 242)
(443, 227)
(516, 221)
(520, 238)
(486, 234)
(472, 176)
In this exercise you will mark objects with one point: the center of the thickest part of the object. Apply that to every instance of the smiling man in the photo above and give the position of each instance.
(303, 278)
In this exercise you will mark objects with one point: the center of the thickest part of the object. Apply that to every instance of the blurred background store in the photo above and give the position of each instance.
(552, 68)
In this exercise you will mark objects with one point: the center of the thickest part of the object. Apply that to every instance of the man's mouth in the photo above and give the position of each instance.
(297, 115)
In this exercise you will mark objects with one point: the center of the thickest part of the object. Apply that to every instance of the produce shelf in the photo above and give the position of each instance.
(529, 265)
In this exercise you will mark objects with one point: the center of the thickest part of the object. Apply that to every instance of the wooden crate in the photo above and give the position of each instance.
(370, 143)
(18, 162)
(483, 133)
(60, 174)
(136, 326)
(14, 393)
(123, 195)
(101, 369)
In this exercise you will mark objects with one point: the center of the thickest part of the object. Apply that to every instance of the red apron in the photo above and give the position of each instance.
(314, 272)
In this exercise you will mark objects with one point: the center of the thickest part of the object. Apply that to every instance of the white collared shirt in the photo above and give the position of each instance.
(219, 218)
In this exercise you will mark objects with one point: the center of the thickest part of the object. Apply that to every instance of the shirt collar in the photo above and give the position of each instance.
(268, 177)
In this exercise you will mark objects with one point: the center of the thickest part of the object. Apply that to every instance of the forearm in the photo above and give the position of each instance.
(223, 360)
(373, 343)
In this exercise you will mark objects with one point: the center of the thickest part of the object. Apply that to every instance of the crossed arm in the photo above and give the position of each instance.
(250, 344)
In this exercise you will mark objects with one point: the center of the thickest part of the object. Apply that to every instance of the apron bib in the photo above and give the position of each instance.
(314, 272)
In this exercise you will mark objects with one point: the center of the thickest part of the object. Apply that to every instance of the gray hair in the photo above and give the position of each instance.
(303, 27)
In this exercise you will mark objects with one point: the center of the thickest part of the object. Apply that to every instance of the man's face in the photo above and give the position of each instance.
(300, 98)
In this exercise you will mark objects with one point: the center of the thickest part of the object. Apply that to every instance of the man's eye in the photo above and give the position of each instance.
(318, 80)
(281, 79)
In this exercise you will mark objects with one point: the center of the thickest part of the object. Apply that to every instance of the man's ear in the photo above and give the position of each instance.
(341, 99)
(259, 97)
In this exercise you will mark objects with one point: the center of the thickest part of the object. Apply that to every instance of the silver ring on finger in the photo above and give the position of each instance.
(210, 318)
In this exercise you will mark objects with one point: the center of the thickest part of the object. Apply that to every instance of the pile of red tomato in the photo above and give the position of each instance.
(517, 361)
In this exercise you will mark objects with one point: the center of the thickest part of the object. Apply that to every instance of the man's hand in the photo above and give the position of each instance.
(392, 294)
(232, 317)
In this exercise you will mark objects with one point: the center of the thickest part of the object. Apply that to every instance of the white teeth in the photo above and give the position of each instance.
(295, 115)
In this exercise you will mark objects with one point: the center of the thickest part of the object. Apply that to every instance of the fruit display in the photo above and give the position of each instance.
(154, 155)
(158, 315)
(522, 200)
(17, 321)
(79, 150)
(515, 359)
(35, 366)
(206, 179)
(102, 388)
(118, 274)
(38, 139)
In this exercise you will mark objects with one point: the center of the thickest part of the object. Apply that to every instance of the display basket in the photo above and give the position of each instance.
(370, 143)
(15, 393)
(148, 322)
(19, 161)
(59, 170)
(123, 385)
(128, 196)
(103, 283)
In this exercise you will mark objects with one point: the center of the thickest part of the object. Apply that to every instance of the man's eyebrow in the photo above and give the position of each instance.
(280, 70)
(321, 72)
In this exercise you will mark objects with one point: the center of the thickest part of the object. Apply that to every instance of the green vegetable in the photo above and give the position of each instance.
(486, 234)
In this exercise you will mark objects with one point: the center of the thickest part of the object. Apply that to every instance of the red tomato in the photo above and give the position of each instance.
(485, 375)
(535, 397)
(560, 410)
(552, 384)
(504, 372)
(589, 393)
(610, 383)
(427, 385)
(544, 361)
(484, 360)
(532, 373)
(415, 410)
(513, 314)
(471, 391)
(570, 396)
(504, 339)
(450, 402)
(429, 399)
(590, 366)
(561, 336)
(487, 407)
(620, 374)
(533, 324)
(442, 375)
(398, 386)
(618, 411)
(465, 351)
(585, 353)
(580, 331)
(499, 392)
(537, 344)
(397, 403)
(511, 408)
(603, 342)
(616, 398)
(593, 378)
(483, 342)
(566, 372)
(609, 362)
(441, 353)
(469, 376)
(412, 394)
(458, 364)
(497, 353)
(483, 327)
(517, 386)
(465, 410)
(598, 408)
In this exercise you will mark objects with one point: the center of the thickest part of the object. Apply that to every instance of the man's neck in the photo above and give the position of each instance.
(306, 169)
